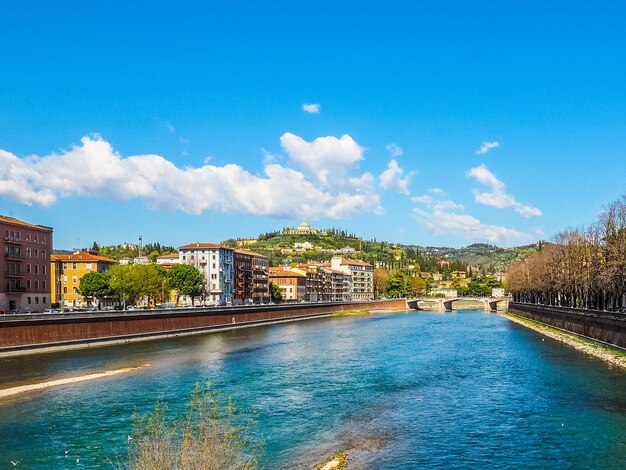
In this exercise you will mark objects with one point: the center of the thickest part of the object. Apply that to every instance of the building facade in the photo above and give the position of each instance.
(362, 276)
(303, 229)
(292, 284)
(24, 277)
(66, 272)
(216, 263)
(252, 285)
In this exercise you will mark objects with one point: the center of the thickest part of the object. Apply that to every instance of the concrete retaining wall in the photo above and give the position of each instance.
(32, 332)
(602, 326)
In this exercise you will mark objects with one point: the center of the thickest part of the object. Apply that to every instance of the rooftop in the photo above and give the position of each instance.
(84, 256)
(202, 245)
(14, 221)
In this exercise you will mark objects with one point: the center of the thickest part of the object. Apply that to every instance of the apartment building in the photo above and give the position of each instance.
(292, 283)
(66, 272)
(24, 276)
(362, 276)
(324, 284)
(216, 263)
(252, 285)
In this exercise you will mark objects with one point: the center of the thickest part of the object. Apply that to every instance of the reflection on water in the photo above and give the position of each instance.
(415, 390)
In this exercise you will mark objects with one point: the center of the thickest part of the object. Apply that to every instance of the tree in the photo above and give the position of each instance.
(95, 285)
(186, 279)
(381, 277)
(399, 285)
(418, 285)
(150, 280)
(276, 293)
(124, 283)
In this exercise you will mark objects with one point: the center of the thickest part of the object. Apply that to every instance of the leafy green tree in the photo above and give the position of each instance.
(150, 280)
(186, 279)
(95, 285)
(275, 293)
(399, 285)
(125, 283)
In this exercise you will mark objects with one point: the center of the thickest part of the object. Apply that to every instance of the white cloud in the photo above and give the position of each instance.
(424, 199)
(395, 150)
(95, 170)
(326, 159)
(497, 196)
(391, 179)
(486, 146)
(437, 191)
(440, 218)
(313, 108)
(170, 127)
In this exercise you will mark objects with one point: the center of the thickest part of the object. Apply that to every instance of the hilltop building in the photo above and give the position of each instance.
(303, 229)
(216, 263)
(24, 277)
(362, 276)
(66, 272)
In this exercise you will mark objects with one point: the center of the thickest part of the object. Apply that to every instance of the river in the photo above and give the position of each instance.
(466, 389)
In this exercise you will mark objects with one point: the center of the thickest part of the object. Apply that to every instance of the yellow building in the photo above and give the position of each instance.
(66, 272)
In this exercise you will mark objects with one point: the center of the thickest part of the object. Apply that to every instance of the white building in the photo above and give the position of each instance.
(215, 262)
(362, 276)
(172, 258)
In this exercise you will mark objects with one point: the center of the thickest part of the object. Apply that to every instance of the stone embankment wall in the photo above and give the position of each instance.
(32, 332)
(602, 326)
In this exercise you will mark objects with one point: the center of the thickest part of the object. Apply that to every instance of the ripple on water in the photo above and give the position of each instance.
(419, 390)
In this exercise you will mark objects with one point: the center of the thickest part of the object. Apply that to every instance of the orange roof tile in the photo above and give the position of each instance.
(352, 262)
(82, 257)
(202, 245)
(283, 273)
(169, 256)
(251, 253)
(12, 220)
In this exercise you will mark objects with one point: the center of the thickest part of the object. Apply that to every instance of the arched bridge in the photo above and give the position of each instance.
(490, 304)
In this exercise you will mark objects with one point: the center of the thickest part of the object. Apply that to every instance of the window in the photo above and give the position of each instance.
(28, 299)
(74, 291)
(88, 266)
(36, 300)
(28, 239)
(213, 265)
(65, 278)
(43, 269)
(37, 286)
(28, 284)
(43, 254)
(36, 269)
(43, 300)
(28, 268)
(73, 265)
(65, 290)
(43, 286)
(74, 279)
(36, 239)
(28, 252)
(64, 265)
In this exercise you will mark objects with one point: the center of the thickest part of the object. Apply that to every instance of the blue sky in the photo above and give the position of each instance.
(186, 122)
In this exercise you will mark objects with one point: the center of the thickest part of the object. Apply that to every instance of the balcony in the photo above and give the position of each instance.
(14, 274)
(16, 289)
(13, 240)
